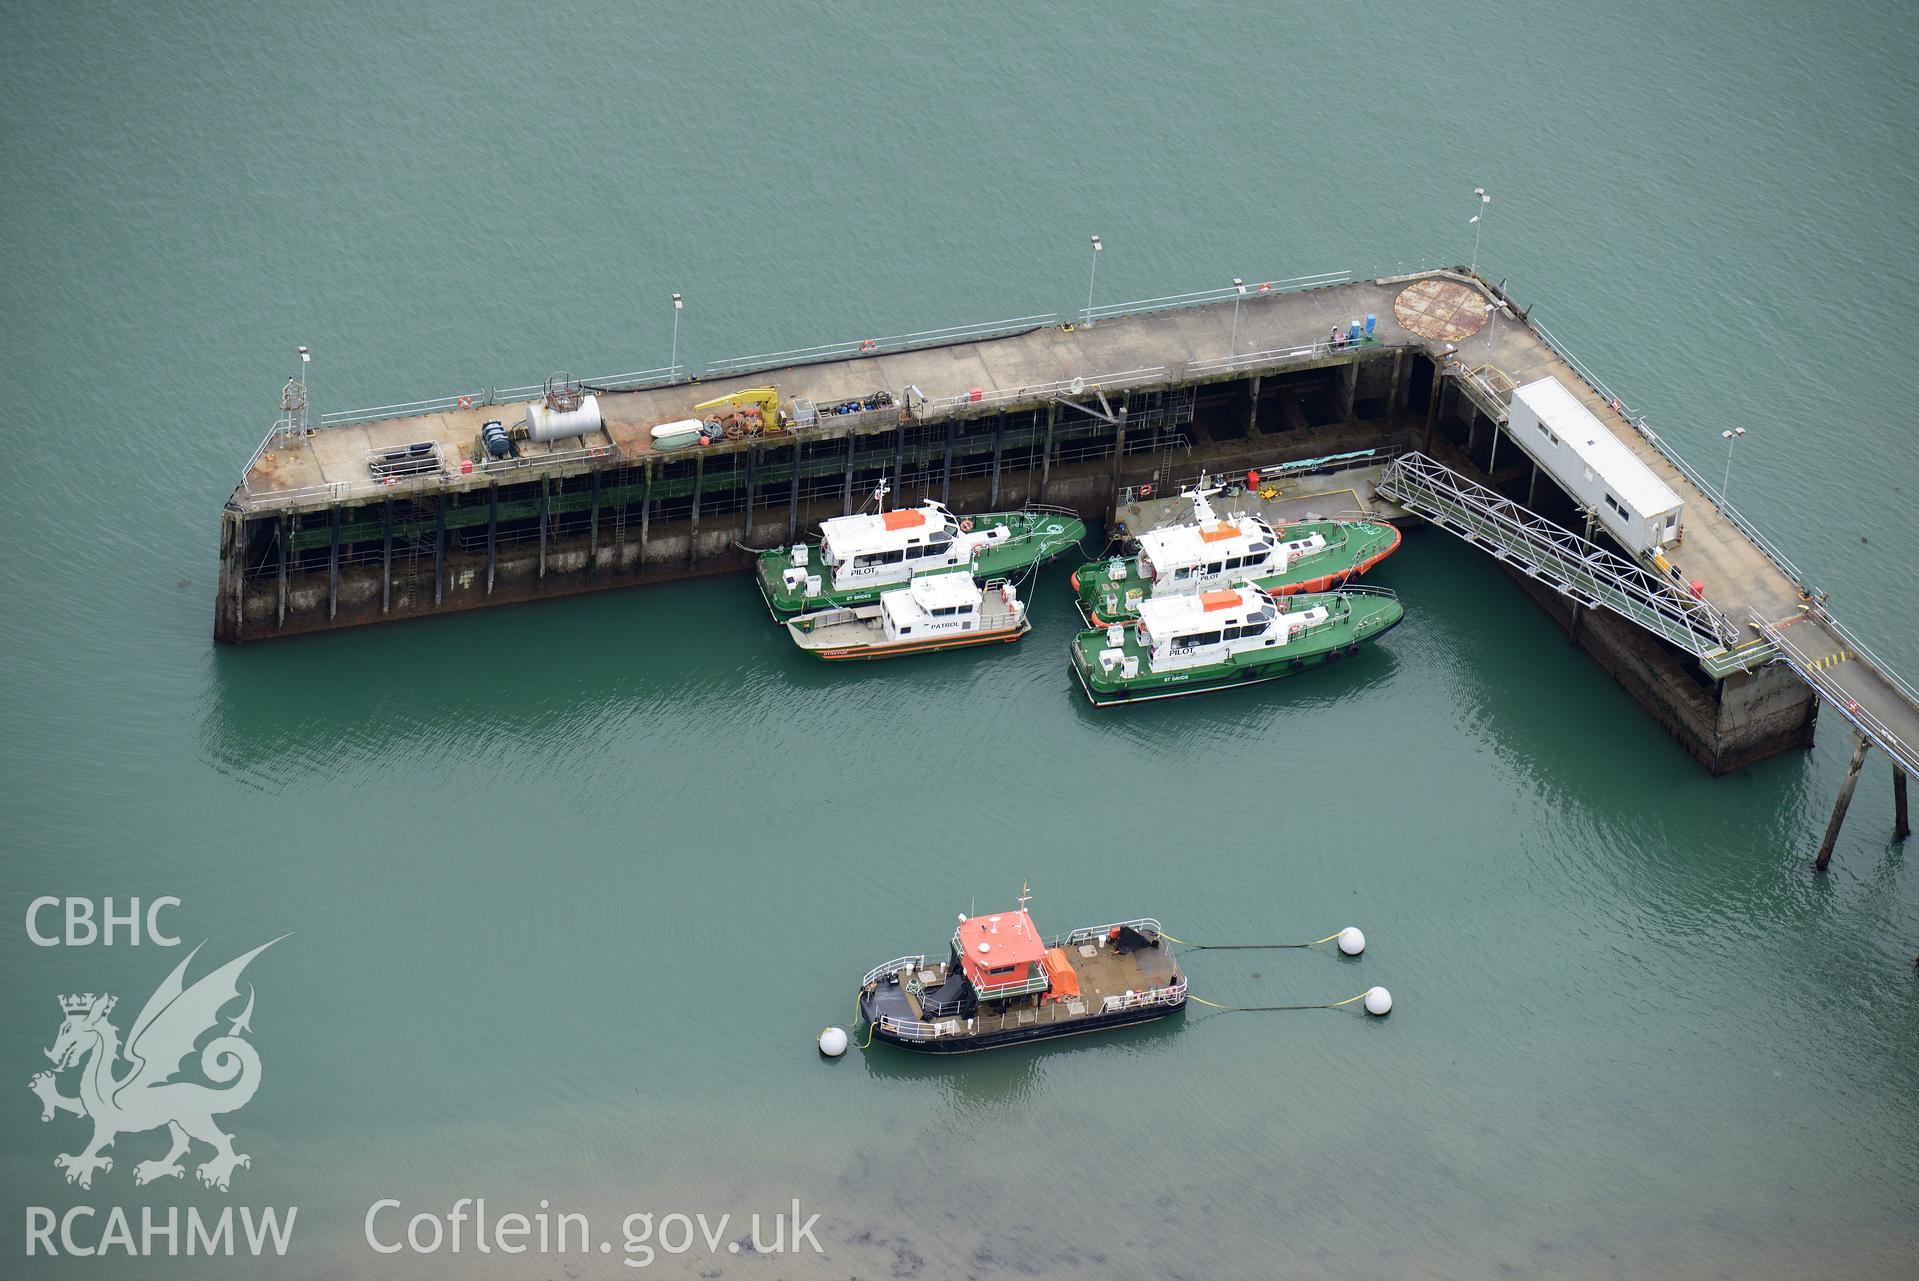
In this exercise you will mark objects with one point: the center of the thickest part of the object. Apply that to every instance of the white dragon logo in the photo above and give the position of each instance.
(163, 1037)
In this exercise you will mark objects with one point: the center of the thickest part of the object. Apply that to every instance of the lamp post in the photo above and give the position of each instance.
(1731, 438)
(306, 396)
(1239, 291)
(1479, 224)
(679, 304)
(1090, 278)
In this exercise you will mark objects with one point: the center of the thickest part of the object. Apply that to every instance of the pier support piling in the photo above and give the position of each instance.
(1845, 799)
(333, 563)
(386, 556)
(1046, 450)
(1119, 452)
(1252, 406)
(1901, 828)
(846, 498)
(439, 549)
(999, 448)
(286, 532)
(1348, 390)
(546, 507)
(946, 477)
(646, 511)
(693, 531)
(752, 474)
(793, 496)
(593, 524)
(492, 532)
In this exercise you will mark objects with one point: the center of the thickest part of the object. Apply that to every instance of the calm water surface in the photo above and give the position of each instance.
(573, 886)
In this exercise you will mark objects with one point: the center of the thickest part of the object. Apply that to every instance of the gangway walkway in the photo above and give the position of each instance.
(1571, 565)
(1828, 657)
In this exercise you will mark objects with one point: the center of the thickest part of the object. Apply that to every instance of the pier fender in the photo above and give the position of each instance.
(1379, 1001)
(1352, 941)
(833, 1039)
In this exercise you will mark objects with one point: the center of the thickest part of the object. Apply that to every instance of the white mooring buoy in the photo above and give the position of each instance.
(1352, 941)
(833, 1039)
(1378, 1001)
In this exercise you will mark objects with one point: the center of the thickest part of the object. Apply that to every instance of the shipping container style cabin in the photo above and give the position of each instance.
(1572, 446)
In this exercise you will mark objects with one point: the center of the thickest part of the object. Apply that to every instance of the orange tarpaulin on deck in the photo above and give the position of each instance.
(1060, 979)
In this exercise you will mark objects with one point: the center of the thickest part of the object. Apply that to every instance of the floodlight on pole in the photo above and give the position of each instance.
(1239, 291)
(679, 304)
(1091, 276)
(1478, 222)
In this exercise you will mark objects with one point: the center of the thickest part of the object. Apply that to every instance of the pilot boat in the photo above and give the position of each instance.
(860, 556)
(1210, 552)
(1239, 636)
(1003, 984)
(932, 611)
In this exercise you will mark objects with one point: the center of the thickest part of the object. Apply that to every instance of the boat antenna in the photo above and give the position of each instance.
(1025, 893)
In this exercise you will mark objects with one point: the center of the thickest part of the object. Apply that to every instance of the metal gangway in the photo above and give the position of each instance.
(1882, 708)
(1575, 567)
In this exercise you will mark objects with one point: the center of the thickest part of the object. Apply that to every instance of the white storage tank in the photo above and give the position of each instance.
(1572, 446)
(545, 423)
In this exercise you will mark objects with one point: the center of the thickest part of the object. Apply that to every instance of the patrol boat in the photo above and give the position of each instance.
(1209, 553)
(859, 556)
(933, 611)
(1002, 984)
(1239, 636)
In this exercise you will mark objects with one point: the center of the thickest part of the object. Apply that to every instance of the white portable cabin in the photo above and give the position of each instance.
(1573, 447)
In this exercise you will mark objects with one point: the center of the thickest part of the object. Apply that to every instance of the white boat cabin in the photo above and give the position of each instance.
(1211, 553)
(870, 548)
(1179, 632)
(935, 605)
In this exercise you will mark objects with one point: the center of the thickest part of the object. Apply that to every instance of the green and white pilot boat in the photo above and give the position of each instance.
(858, 557)
(1239, 636)
(1209, 553)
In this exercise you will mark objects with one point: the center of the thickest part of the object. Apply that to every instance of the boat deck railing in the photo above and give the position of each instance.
(893, 966)
(1171, 994)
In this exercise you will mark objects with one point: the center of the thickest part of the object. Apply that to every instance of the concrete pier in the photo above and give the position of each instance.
(1079, 417)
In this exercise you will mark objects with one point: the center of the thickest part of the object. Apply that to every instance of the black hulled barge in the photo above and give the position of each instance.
(1003, 984)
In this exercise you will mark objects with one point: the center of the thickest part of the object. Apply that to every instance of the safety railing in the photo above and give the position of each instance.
(1086, 934)
(1280, 355)
(1207, 297)
(1171, 994)
(1557, 557)
(488, 396)
(1049, 390)
(1862, 718)
(1859, 648)
(893, 966)
(878, 346)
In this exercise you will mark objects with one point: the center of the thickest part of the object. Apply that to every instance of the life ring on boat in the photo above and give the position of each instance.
(868, 345)
(966, 524)
(466, 402)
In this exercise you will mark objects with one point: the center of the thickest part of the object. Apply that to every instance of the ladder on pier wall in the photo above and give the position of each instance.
(1571, 565)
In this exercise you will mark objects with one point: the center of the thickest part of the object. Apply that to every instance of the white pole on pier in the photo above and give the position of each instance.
(1239, 291)
(1479, 225)
(1091, 276)
(1731, 438)
(679, 304)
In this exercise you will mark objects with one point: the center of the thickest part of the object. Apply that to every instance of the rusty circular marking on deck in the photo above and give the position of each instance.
(1444, 310)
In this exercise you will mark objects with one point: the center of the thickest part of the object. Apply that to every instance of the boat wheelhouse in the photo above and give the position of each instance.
(1237, 636)
(1002, 984)
(1211, 552)
(932, 611)
(859, 556)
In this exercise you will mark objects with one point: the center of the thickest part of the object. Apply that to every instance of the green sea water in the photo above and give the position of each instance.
(572, 887)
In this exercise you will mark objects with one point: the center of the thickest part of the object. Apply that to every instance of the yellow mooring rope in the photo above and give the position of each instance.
(1243, 947)
(1263, 1009)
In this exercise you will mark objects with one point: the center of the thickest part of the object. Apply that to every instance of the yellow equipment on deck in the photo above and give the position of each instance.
(763, 400)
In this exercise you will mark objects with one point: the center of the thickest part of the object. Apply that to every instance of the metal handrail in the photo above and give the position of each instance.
(1049, 390)
(893, 966)
(1535, 545)
(878, 346)
(1871, 726)
(1858, 647)
(1171, 994)
(1206, 297)
(1274, 355)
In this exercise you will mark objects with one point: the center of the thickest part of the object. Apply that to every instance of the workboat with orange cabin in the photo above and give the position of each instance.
(1003, 984)
(933, 611)
(1211, 552)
